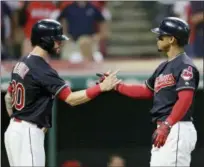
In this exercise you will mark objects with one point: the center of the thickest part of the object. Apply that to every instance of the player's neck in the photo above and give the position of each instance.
(37, 51)
(174, 52)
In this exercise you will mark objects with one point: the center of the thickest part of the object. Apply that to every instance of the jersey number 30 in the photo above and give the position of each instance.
(18, 95)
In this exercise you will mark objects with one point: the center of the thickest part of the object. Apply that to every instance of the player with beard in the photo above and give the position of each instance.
(29, 99)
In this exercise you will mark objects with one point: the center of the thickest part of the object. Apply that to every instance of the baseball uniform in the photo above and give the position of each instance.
(34, 85)
(169, 78)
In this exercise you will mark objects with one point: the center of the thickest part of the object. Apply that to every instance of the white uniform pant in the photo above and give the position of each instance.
(178, 147)
(24, 144)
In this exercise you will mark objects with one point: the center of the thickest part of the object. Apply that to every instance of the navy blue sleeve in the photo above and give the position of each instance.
(150, 81)
(98, 16)
(53, 83)
(188, 78)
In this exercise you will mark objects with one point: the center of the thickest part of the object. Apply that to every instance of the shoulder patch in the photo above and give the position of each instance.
(187, 73)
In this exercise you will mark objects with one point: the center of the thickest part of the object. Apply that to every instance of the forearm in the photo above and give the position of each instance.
(135, 91)
(181, 106)
(8, 102)
(79, 97)
(76, 98)
(83, 96)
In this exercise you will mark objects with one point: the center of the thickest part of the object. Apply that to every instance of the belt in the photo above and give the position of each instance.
(39, 126)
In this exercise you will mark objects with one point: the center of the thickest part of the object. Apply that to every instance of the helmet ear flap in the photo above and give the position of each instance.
(47, 43)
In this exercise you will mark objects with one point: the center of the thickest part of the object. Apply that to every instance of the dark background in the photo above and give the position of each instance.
(110, 124)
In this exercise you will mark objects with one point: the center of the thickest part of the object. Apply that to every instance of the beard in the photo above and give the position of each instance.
(53, 51)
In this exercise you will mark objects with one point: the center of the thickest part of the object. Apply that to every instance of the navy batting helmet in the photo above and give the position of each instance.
(176, 27)
(45, 32)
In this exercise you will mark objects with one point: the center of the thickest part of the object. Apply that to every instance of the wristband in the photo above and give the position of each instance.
(117, 87)
(167, 123)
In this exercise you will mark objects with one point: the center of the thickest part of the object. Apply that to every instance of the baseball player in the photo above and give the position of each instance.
(172, 87)
(34, 84)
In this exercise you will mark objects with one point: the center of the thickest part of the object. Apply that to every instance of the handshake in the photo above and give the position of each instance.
(108, 80)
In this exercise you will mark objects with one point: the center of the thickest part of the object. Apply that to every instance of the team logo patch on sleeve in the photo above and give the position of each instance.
(187, 73)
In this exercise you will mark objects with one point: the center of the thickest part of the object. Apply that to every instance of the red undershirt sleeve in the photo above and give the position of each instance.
(135, 91)
(64, 93)
(185, 99)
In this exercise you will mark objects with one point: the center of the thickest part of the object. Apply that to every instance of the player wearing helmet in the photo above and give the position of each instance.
(47, 34)
(173, 29)
(172, 87)
(34, 84)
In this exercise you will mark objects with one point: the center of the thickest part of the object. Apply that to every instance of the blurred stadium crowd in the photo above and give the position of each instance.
(88, 25)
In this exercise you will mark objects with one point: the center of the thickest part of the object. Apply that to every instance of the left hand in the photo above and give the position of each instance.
(160, 135)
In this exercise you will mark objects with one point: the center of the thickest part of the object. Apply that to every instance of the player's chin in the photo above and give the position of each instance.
(159, 49)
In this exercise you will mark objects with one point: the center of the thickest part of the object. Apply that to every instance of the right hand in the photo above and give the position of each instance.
(101, 76)
(109, 82)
